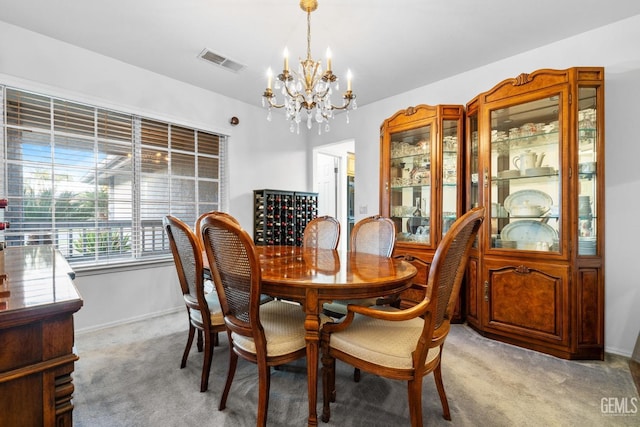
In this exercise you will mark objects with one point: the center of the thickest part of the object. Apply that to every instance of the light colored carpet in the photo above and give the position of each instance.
(130, 375)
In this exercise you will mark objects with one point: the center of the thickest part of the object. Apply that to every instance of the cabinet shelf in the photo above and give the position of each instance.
(541, 218)
(412, 216)
(529, 179)
(539, 139)
(405, 157)
(400, 187)
(587, 175)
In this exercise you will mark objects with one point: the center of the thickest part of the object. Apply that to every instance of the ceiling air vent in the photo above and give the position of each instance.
(221, 61)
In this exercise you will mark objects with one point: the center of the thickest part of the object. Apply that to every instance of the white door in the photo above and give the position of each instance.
(330, 182)
(327, 172)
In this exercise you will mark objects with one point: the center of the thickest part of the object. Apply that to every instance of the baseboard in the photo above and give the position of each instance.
(128, 320)
(617, 352)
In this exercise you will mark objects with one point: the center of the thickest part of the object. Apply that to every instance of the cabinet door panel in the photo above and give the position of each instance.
(590, 303)
(528, 299)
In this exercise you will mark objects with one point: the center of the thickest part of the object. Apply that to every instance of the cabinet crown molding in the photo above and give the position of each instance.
(522, 79)
(410, 111)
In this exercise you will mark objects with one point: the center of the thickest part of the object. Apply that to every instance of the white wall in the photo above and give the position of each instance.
(260, 151)
(614, 47)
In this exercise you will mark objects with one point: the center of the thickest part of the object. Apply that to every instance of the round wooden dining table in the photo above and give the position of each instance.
(313, 276)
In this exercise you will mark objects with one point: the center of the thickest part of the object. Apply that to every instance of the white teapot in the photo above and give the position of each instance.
(528, 160)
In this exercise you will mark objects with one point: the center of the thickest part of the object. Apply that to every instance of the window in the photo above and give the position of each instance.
(96, 183)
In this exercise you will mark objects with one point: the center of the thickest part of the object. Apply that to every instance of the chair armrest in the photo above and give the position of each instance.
(391, 314)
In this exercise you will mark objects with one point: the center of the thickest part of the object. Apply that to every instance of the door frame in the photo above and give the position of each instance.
(338, 150)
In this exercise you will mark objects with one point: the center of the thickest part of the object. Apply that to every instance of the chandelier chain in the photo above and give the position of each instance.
(309, 34)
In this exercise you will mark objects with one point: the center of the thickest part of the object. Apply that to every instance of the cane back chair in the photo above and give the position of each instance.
(404, 344)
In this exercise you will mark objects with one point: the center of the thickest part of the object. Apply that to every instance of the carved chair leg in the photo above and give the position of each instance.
(206, 366)
(332, 380)
(233, 362)
(199, 340)
(356, 375)
(264, 384)
(415, 401)
(437, 375)
(192, 331)
(328, 385)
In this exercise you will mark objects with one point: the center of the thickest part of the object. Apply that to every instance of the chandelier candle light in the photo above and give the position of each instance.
(308, 88)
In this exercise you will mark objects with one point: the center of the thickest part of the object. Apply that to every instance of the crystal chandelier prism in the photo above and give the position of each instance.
(309, 89)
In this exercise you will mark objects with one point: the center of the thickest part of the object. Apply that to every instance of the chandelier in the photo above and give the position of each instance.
(308, 88)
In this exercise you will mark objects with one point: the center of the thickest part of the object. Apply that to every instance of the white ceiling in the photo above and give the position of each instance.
(391, 46)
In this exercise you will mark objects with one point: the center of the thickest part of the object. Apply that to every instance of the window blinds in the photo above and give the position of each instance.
(96, 183)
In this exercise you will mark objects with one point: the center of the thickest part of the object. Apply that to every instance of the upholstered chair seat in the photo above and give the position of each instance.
(283, 325)
(214, 307)
(381, 342)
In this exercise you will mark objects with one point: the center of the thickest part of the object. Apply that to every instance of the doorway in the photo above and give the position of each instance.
(333, 180)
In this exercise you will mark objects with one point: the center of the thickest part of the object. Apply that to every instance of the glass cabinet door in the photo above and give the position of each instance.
(587, 165)
(449, 180)
(473, 177)
(525, 187)
(410, 182)
(474, 192)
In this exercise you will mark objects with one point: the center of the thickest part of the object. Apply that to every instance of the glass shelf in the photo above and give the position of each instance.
(531, 179)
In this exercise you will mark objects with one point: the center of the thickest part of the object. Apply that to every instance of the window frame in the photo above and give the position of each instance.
(138, 256)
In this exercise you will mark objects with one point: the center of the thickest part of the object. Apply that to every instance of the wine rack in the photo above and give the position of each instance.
(281, 216)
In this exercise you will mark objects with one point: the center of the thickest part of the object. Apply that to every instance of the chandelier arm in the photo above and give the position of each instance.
(322, 95)
(300, 98)
(348, 96)
(273, 104)
(343, 107)
(294, 96)
(270, 97)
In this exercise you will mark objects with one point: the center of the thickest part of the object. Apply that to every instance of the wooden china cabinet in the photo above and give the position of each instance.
(535, 159)
(420, 181)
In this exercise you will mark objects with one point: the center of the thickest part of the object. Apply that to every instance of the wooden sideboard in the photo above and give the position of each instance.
(37, 303)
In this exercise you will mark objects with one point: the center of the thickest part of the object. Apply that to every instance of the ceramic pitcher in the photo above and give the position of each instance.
(528, 160)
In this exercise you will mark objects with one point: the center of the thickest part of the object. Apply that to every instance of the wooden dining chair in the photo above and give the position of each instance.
(268, 334)
(207, 275)
(373, 235)
(404, 344)
(203, 308)
(196, 226)
(322, 232)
